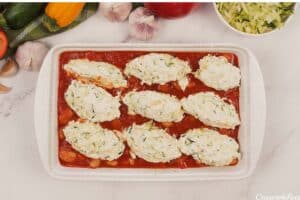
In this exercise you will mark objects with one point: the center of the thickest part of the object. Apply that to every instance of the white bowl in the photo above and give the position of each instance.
(220, 16)
(251, 133)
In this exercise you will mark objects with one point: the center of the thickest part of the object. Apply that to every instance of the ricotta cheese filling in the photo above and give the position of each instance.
(218, 73)
(103, 73)
(211, 110)
(209, 147)
(183, 83)
(93, 141)
(92, 102)
(154, 105)
(157, 68)
(151, 143)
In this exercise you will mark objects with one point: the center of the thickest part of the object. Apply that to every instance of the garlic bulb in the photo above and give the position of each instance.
(4, 89)
(10, 68)
(115, 12)
(30, 55)
(142, 24)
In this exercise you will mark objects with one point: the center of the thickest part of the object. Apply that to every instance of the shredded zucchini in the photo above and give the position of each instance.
(256, 18)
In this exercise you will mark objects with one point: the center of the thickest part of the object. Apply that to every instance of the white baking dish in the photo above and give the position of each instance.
(252, 110)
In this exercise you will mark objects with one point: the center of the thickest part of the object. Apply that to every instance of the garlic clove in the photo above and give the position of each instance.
(10, 68)
(115, 12)
(30, 55)
(4, 89)
(142, 24)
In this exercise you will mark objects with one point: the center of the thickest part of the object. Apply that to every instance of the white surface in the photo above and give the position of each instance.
(252, 112)
(22, 174)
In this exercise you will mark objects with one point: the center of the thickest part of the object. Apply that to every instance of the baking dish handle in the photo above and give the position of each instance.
(41, 107)
(258, 115)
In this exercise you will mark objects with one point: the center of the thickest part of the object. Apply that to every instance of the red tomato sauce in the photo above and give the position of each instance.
(71, 158)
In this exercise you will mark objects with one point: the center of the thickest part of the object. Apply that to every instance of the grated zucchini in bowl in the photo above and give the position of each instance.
(256, 18)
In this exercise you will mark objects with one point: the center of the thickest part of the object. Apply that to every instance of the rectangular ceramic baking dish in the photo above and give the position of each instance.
(252, 112)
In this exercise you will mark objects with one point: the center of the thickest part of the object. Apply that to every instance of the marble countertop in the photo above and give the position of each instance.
(277, 173)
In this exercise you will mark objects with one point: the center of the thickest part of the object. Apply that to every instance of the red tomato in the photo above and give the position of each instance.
(3, 44)
(170, 10)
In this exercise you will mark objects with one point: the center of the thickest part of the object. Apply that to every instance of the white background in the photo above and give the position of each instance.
(23, 177)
